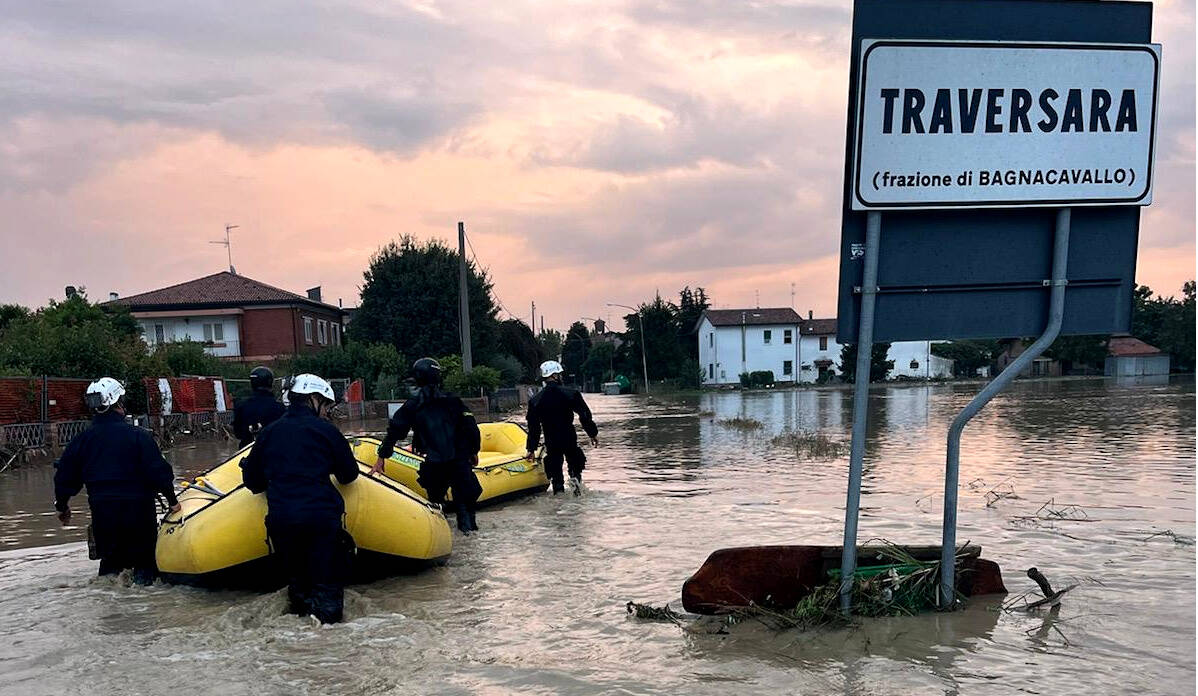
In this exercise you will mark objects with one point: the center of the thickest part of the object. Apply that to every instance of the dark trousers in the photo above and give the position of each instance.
(315, 560)
(576, 461)
(438, 477)
(125, 532)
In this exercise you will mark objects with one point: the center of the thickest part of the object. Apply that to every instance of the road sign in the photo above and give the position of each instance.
(986, 124)
(953, 272)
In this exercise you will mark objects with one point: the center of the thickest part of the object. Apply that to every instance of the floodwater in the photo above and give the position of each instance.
(534, 603)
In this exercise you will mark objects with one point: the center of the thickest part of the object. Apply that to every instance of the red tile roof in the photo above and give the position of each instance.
(218, 289)
(1125, 346)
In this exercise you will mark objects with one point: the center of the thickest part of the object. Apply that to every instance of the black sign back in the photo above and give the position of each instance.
(980, 273)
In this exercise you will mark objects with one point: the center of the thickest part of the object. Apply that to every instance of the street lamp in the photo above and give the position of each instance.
(644, 360)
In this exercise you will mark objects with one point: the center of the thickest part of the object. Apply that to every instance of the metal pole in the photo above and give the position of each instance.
(865, 343)
(1056, 312)
(644, 360)
(464, 299)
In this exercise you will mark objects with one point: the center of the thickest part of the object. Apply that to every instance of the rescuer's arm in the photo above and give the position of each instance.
(534, 432)
(157, 470)
(253, 469)
(68, 479)
(584, 418)
(345, 466)
(397, 429)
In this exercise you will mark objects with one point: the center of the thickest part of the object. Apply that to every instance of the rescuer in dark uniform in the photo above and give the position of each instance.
(445, 433)
(258, 411)
(291, 461)
(123, 470)
(552, 411)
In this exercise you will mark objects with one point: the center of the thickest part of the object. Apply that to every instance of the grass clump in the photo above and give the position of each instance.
(742, 424)
(809, 445)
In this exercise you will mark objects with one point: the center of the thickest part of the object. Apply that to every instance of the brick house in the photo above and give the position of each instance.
(237, 317)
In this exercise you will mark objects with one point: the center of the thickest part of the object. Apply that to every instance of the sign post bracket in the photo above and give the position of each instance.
(865, 342)
(1056, 313)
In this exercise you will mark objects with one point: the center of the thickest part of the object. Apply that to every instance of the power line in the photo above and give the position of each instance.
(494, 293)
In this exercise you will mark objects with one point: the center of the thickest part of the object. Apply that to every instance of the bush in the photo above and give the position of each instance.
(355, 360)
(746, 380)
(481, 379)
(761, 378)
(511, 370)
(388, 387)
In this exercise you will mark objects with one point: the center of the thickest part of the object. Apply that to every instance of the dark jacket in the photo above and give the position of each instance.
(254, 414)
(116, 461)
(291, 461)
(552, 411)
(445, 430)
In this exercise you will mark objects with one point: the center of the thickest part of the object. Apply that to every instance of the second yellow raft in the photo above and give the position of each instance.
(502, 470)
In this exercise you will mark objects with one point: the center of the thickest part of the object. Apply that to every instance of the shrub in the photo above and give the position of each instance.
(481, 380)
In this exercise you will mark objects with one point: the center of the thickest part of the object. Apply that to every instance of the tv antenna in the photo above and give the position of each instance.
(228, 245)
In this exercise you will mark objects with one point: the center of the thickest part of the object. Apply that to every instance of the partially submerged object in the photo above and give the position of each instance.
(219, 537)
(502, 470)
(780, 577)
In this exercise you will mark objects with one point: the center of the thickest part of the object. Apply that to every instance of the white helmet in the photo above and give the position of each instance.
(103, 394)
(550, 368)
(311, 384)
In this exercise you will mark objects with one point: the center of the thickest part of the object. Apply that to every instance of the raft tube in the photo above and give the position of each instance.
(219, 538)
(502, 470)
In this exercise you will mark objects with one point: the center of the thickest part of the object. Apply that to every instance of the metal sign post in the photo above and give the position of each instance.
(865, 343)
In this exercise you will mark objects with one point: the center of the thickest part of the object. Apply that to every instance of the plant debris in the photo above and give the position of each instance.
(1178, 538)
(739, 423)
(648, 612)
(810, 445)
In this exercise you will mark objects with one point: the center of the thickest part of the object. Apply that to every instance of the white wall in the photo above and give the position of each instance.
(185, 328)
(722, 360)
(925, 366)
(810, 351)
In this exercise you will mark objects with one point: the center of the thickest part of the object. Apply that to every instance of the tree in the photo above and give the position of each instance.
(410, 300)
(664, 352)
(1079, 351)
(879, 366)
(691, 305)
(551, 343)
(1166, 323)
(10, 313)
(967, 356)
(378, 365)
(575, 349)
(516, 341)
(600, 362)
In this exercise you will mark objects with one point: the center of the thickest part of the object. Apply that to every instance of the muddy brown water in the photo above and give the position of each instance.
(534, 603)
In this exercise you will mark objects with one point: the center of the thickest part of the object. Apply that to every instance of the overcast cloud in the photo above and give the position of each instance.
(598, 151)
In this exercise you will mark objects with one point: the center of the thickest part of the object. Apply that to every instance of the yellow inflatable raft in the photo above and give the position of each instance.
(219, 537)
(502, 469)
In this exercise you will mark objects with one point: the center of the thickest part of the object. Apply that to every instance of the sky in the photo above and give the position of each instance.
(597, 151)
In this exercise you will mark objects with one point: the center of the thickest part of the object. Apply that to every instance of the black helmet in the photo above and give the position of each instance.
(261, 378)
(426, 371)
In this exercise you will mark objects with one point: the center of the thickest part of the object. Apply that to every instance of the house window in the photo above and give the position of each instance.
(788, 367)
(214, 333)
(710, 371)
(766, 336)
(336, 329)
(159, 333)
(823, 342)
(787, 337)
(322, 331)
(711, 340)
(308, 330)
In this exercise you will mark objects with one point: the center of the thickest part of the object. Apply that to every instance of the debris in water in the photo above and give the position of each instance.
(1052, 511)
(649, 612)
(810, 445)
(1178, 538)
(745, 424)
(1049, 597)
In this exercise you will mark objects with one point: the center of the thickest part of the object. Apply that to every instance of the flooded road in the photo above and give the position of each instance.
(534, 603)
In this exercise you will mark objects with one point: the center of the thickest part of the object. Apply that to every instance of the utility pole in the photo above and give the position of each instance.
(228, 245)
(644, 360)
(533, 325)
(464, 299)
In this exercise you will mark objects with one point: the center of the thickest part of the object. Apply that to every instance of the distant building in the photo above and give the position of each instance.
(1130, 357)
(237, 317)
(1040, 367)
(732, 341)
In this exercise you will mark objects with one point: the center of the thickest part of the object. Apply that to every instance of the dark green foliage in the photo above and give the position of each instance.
(968, 356)
(879, 366)
(600, 362)
(354, 360)
(517, 342)
(1167, 323)
(761, 378)
(1077, 353)
(481, 380)
(746, 379)
(575, 350)
(11, 312)
(410, 300)
(551, 341)
(691, 305)
(511, 372)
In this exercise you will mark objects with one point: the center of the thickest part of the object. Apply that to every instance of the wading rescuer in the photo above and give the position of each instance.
(445, 434)
(258, 411)
(291, 461)
(123, 470)
(552, 410)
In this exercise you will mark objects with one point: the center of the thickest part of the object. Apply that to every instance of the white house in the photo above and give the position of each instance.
(732, 341)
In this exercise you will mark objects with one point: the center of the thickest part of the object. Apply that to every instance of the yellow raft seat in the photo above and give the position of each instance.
(219, 537)
(502, 470)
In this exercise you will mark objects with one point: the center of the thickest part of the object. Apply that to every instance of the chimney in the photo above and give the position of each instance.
(70, 291)
(314, 294)
(810, 314)
(112, 296)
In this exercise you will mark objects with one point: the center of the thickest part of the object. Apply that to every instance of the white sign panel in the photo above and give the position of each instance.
(964, 124)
